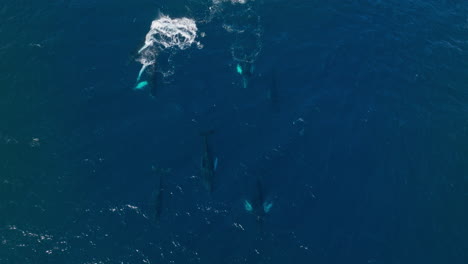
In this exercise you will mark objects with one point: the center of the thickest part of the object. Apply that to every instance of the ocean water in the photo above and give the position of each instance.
(354, 118)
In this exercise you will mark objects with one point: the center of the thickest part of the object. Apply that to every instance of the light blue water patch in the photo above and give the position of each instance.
(141, 85)
(215, 163)
(248, 207)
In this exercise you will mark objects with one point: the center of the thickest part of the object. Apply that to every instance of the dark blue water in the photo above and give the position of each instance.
(362, 148)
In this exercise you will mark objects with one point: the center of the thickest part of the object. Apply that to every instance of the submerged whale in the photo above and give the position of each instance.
(157, 81)
(158, 194)
(208, 162)
(272, 92)
(154, 82)
(258, 205)
(245, 69)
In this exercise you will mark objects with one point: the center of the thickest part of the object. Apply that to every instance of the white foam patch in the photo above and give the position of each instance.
(232, 1)
(165, 33)
(219, 5)
(238, 1)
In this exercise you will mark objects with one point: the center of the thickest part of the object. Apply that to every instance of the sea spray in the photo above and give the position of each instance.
(166, 33)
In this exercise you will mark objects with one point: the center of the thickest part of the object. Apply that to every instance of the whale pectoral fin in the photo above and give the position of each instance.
(215, 164)
(141, 85)
(248, 206)
(245, 82)
(239, 69)
(267, 206)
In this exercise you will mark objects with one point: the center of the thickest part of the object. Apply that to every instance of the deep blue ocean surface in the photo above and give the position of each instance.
(352, 115)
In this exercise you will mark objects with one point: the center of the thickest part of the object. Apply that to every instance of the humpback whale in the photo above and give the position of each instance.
(158, 194)
(272, 92)
(208, 162)
(258, 205)
(156, 82)
(245, 69)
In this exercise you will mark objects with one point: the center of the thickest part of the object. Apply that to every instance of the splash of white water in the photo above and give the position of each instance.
(165, 33)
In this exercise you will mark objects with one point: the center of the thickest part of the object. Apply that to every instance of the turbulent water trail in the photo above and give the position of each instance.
(165, 33)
